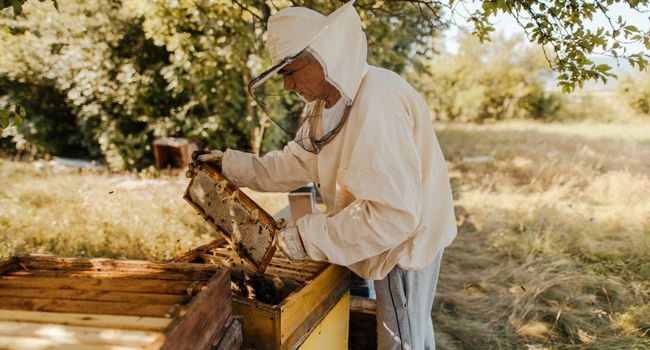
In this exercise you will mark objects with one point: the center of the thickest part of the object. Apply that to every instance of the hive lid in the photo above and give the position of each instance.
(246, 226)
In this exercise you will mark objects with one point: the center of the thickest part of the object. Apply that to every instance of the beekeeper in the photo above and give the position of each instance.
(365, 138)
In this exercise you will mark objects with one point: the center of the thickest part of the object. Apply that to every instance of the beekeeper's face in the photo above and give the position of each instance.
(305, 76)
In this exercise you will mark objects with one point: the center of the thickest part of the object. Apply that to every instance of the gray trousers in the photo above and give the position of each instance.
(404, 301)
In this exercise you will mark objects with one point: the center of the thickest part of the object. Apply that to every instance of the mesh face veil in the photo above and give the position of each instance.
(338, 44)
(300, 119)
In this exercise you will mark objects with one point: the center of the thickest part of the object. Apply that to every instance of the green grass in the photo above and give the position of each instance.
(553, 249)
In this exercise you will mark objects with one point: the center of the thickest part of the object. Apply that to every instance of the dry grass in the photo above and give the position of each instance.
(71, 213)
(554, 247)
(553, 251)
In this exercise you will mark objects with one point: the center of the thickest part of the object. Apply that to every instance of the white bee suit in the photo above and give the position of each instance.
(383, 177)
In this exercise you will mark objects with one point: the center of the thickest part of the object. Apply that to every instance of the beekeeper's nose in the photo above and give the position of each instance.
(289, 83)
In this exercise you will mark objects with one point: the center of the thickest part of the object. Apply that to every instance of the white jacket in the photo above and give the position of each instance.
(383, 177)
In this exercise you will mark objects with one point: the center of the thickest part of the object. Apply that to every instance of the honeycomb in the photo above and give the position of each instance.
(248, 228)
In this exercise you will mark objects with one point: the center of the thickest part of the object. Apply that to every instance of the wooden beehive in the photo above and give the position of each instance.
(363, 324)
(287, 306)
(173, 152)
(248, 227)
(69, 303)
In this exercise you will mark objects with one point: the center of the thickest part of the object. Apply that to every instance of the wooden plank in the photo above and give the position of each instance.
(277, 260)
(119, 285)
(192, 255)
(296, 268)
(47, 262)
(231, 337)
(332, 332)
(8, 265)
(206, 316)
(363, 330)
(70, 294)
(271, 270)
(26, 343)
(135, 275)
(363, 305)
(81, 306)
(76, 334)
(87, 320)
(301, 303)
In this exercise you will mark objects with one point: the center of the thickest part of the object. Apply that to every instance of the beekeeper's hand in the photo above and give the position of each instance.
(290, 243)
(204, 156)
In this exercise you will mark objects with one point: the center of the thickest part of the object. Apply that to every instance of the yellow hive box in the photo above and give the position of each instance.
(291, 306)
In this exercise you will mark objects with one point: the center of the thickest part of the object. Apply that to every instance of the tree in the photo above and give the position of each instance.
(128, 71)
(488, 82)
(17, 5)
(562, 28)
(394, 31)
(636, 91)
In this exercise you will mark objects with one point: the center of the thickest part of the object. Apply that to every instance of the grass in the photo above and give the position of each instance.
(553, 249)
(95, 214)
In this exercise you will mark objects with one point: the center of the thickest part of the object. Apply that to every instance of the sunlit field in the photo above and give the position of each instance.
(554, 245)
(553, 249)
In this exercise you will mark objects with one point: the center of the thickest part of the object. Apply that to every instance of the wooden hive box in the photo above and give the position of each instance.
(69, 303)
(295, 305)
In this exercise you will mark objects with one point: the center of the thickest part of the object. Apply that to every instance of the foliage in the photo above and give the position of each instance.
(636, 90)
(496, 82)
(126, 72)
(103, 79)
(17, 5)
(565, 27)
(11, 117)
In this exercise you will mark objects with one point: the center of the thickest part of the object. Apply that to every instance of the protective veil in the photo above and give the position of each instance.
(383, 176)
(290, 33)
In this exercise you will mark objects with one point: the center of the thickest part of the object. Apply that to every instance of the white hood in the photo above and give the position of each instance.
(337, 41)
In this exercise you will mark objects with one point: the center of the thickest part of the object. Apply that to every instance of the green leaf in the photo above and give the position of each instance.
(21, 111)
(603, 68)
(18, 7)
(566, 89)
(4, 119)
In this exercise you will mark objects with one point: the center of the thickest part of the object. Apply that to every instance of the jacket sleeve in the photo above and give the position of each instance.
(277, 171)
(385, 179)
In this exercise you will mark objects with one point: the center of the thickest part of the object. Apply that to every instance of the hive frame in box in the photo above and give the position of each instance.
(290, 323)
(251, 230)
(142, 305)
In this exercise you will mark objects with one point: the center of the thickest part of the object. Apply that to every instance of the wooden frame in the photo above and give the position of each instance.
(246, 225)
(99, 302)
(288, 323)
